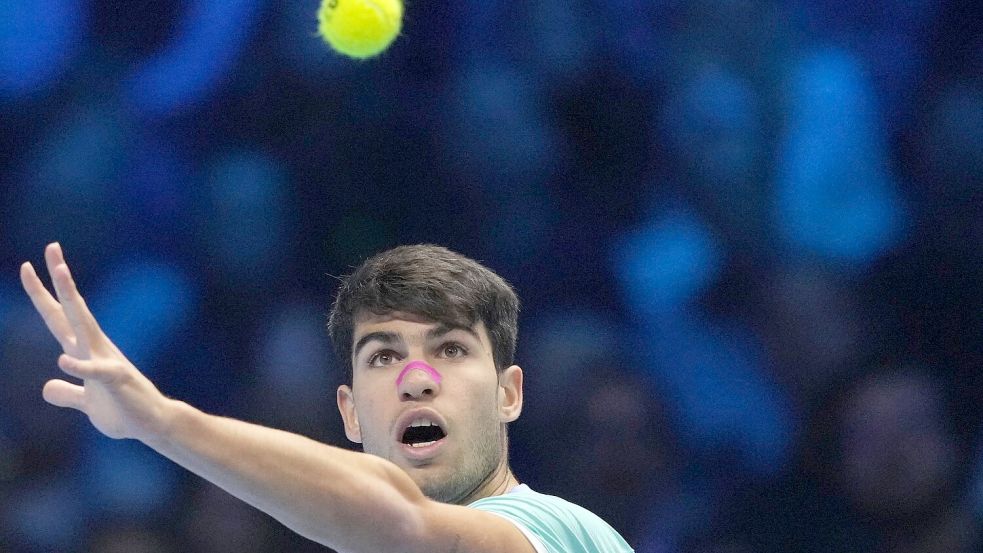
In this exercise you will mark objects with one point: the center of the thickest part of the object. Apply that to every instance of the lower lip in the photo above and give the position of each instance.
(422, 453)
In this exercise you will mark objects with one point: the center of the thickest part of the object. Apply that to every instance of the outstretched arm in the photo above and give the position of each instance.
(350, 501)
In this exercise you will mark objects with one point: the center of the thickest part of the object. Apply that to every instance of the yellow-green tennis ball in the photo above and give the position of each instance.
(360, 28)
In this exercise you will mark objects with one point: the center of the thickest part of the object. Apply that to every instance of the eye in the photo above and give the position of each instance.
(452, 350)
(383, 358)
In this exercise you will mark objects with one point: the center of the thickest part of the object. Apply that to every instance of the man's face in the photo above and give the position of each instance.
(898, 454)
(466, 398)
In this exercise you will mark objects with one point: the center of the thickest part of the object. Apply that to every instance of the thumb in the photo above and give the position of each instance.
(63, 394)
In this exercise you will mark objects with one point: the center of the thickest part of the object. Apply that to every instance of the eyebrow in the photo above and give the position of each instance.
(443, 328)
(384, 337)
(396, 338)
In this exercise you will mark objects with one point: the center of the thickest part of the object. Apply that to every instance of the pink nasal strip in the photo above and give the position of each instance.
(418, 366)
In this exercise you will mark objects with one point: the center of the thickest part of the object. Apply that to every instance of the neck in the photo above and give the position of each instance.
(499, 482)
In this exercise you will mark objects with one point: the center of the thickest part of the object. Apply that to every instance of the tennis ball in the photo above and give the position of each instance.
(360, 28)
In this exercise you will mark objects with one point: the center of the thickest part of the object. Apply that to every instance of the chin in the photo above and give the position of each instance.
(440, 494)
(438, 485)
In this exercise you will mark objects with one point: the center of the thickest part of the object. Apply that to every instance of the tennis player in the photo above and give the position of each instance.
(429, 337)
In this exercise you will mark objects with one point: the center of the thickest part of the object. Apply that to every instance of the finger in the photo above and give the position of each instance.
(53, 256)
(88, 335)
(69, 299)
(89, 369)
(48, 307)
(87, 331)
(64, 394)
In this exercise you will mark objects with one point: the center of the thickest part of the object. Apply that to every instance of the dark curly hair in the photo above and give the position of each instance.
(431, 282)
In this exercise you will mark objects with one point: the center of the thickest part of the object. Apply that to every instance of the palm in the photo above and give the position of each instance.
(103, 409)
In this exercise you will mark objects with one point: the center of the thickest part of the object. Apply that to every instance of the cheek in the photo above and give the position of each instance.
(481, 401)
(371, 415)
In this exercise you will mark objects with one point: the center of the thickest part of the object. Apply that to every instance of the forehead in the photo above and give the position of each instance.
(405, 325)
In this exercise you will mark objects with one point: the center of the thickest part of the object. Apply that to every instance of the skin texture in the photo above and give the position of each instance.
(472, 400)
(418, 366)
(352, 502)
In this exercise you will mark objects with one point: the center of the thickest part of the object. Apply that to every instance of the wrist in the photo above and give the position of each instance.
(167, 419)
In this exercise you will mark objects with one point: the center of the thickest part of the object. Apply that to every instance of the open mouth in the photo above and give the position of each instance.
(422, 433)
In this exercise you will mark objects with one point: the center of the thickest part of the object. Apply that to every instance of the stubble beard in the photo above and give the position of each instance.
(478, 461)
(456, 483)
(482, 456)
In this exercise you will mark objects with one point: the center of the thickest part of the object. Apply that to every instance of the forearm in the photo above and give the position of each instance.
(346, 500)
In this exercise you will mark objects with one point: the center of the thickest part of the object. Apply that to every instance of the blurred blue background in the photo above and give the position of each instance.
(747, 236)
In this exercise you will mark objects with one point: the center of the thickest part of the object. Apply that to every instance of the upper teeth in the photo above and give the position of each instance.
(421, 422)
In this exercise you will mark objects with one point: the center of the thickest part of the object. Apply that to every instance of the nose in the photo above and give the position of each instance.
(418, 381)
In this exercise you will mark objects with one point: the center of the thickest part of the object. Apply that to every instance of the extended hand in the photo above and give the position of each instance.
(119, 400)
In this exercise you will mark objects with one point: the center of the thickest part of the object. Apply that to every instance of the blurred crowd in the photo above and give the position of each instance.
(748, 237)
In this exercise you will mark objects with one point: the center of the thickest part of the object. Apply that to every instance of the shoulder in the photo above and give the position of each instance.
(562, 526)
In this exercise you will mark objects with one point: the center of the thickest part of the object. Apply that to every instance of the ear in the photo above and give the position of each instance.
(510, 393)
(346, 405)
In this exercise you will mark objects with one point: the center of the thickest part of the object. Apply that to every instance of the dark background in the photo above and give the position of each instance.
(747, 236)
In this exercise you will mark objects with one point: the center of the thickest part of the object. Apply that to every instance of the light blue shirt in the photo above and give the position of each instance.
(554, 525)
